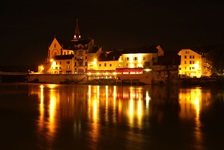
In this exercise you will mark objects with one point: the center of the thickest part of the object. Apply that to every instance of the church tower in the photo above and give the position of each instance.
(77, 35)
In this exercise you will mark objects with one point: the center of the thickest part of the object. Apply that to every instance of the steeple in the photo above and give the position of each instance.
(77, 35)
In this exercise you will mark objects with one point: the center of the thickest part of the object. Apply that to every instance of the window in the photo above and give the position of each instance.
(127, 58)
(100, 65)
(75, 63)
(54, 45)
(135, 58)
(185, 62)
(68, 62)
(105, 64)
(68, 67)
(185, 56)
(110, 65)
(86, 63)
(143, 58)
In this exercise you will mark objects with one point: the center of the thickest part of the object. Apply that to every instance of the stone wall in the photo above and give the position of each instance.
(56, 78)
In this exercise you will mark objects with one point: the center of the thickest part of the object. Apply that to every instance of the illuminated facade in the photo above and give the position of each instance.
(193, 64)
(69, 57)
(140, 58)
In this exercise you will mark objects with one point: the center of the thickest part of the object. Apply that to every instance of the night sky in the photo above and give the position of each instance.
(28, 27)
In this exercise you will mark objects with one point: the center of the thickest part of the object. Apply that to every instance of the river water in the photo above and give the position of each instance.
(65, 117)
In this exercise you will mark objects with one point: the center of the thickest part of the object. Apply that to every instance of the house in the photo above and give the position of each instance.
(193, 64)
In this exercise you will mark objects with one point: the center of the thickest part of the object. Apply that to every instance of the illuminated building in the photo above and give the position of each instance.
(80, 56)
(69, 56)
(104, 66)
(140, 58)
(193, 64)
(127, 64)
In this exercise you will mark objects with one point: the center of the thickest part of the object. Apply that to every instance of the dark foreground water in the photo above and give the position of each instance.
(65, 117)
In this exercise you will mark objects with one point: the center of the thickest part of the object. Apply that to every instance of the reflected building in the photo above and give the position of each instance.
(192, 102)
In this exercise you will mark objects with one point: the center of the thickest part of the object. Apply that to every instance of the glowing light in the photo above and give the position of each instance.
(147, 70)
(42, 68)
(147, 98)
(53, 64)
(197, 65)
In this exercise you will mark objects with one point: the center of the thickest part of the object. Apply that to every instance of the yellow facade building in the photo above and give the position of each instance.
(193, 64)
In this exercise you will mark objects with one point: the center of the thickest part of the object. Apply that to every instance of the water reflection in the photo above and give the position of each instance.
(192, 102)
(48, 103)
(91, 108)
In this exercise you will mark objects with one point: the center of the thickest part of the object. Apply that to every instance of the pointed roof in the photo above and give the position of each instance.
(77, 32)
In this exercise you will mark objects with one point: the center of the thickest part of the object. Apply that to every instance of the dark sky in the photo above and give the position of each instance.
(28, 27)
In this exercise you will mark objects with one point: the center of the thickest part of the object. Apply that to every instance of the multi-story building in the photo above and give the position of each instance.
(81, 56)
(69, 56)
(193, 64)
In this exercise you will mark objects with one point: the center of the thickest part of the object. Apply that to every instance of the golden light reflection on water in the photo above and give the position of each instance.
(47, 111)
(192, 102)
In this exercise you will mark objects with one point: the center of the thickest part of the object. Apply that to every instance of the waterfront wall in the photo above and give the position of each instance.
(56, 78)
